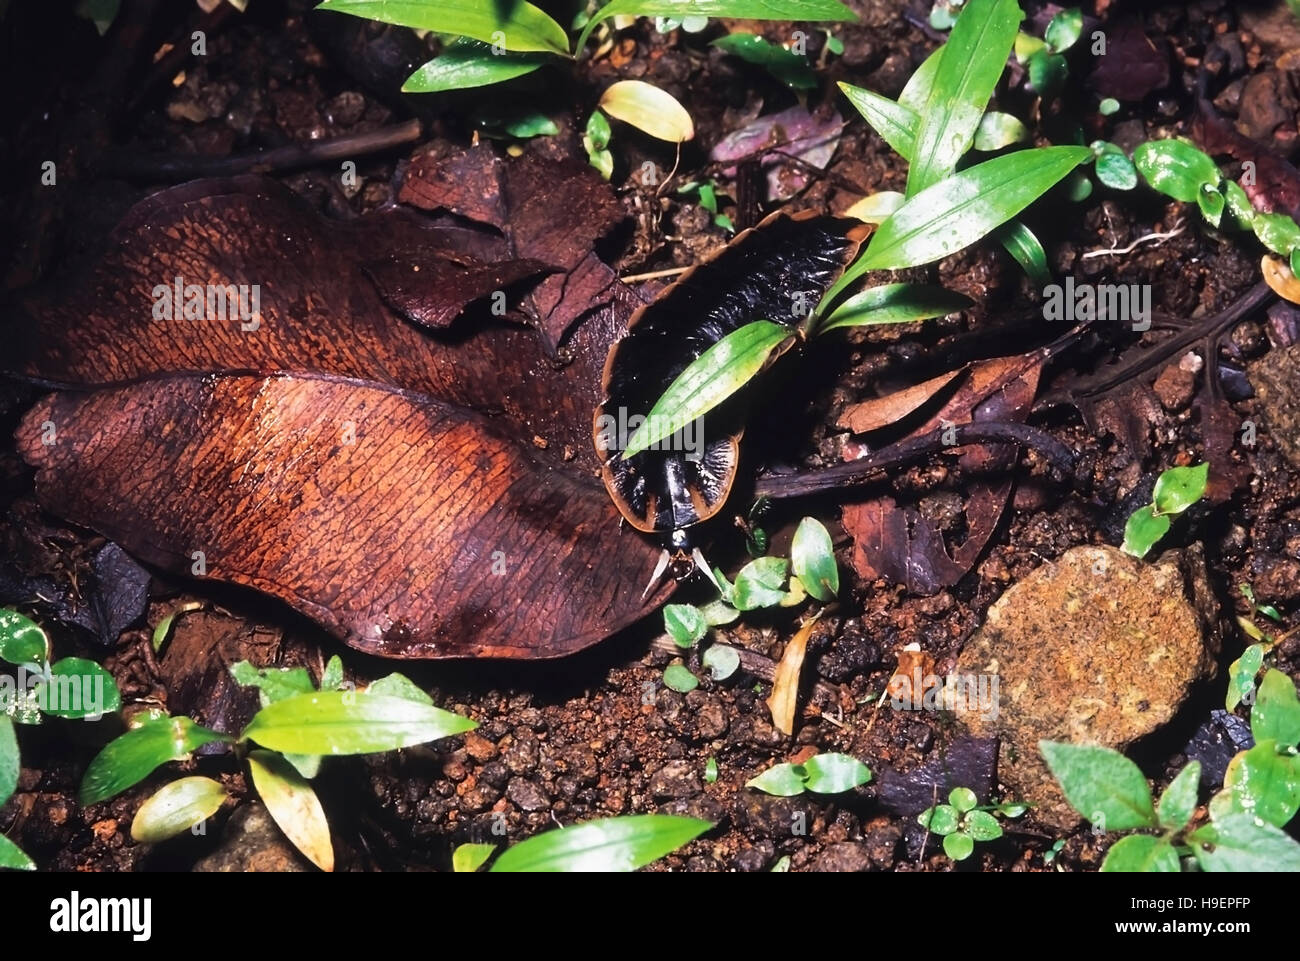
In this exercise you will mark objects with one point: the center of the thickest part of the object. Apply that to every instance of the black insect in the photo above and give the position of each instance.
(776, 271)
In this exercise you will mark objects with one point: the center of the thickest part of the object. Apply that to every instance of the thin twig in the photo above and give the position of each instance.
(654, 275)
(186, 167)
(868, 468)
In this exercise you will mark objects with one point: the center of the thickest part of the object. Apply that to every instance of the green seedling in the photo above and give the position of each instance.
(764, 582)
(1176, 490)
(963, 821)
(706, 194)
(1243, 671)
(820, 774)
(1244, 832)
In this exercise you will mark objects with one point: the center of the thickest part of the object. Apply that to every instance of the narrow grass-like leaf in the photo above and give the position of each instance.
(466, 63)
(972, 62)
(293, 804)
(518, 26)
(343, 722)
(812, 11)
(175, 808)
(131, 758)
(1103, 785)
(607, 845)
(894, 304)
(710, 379)
(896, 124)
(1021, 244)
(648, 108)
(952, 215)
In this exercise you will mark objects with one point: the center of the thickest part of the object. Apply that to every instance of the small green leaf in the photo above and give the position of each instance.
(1241, 675)
(344, 722)
(21, 640)
(10, 765)
(598, 130)
(785, 65)
(601, 160)
(1179, 488)
(1064, 29)
(467, 63)
(760, 583)
(1012, 809)
(1264, 783)
(272, 683)
(999, 130)
(969, 68)
(12, 857)
(1026, 46)
(468, 858)
(1144, 528)
(895, 123)
(1178, 803)
(175, 808)
(1021, 244)
(952, 215)
(131, 758)
(1211, 203)
(1103, 785)
(982, 826)
(399, 685)
(607, 845)
(781, 780)
(78, 688)
(1141, 853)
(963, 799)
(876, 208)
(942, 819)
(518, 25)
(1237, 842)
(707, 381)
(958, 846)
(812, 557)
(331, 679)
(1113, 167)
(685, 624)
(711, 770)
(811, 11)
(1277, 232)
(1276, 713)
(677, 677)
(293, 804)
(894, 304)
(532, 124)
(834, 773)
(722, 661)
(1108, 107)
(782, 865)
(1175, 168)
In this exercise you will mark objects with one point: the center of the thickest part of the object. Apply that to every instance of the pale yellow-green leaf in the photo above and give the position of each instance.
(293, 804)
(648, 108)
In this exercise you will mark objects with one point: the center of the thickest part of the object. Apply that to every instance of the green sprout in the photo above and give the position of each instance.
(1176, 490)
(820, 774)
(963, 821)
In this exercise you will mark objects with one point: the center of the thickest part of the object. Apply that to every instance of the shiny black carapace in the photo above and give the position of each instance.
(777, 271)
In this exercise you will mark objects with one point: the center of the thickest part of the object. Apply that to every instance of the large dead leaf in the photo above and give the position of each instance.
(322, 309)
(407, 526)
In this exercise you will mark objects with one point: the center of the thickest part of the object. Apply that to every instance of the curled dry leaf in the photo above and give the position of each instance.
(407, 526)
(1279, 278)
(784, 700)
(878, 412)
